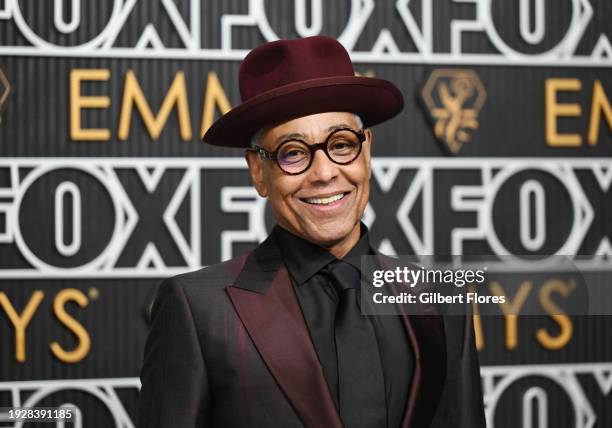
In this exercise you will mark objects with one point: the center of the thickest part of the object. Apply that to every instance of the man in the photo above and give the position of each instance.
(275, 338)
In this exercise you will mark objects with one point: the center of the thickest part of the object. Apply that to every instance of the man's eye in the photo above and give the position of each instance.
(294, 153)
(342, 146)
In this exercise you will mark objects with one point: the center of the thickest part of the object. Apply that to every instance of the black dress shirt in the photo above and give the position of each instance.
(318, 301)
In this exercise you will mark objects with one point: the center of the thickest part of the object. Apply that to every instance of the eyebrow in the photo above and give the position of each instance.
(300, 136)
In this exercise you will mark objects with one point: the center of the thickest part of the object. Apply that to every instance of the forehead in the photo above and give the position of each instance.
(312, 127)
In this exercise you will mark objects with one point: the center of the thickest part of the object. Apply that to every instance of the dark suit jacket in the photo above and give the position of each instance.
(229, 347)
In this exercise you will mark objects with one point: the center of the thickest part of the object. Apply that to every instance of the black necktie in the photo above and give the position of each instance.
(361, 387)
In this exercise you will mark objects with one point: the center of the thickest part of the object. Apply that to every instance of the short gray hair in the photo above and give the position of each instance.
(256, 138)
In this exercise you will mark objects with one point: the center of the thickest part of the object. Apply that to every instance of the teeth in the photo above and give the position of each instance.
(325, 201)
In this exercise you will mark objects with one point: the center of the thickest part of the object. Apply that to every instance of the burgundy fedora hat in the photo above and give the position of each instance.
(286, 79)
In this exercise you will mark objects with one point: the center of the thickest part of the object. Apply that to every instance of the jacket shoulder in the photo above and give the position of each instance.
(207, 283)
(214, 276)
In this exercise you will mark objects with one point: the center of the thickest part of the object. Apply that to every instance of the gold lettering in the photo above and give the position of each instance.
(133, 95)
(554, 110)
(79, 102)
(511, 309)
(20, 322)
(213, 97)
(559, 316)
(599, 103)
(478, 334)
(79, 331)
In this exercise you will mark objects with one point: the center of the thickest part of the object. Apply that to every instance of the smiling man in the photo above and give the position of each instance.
(275, 338)
(319, 197)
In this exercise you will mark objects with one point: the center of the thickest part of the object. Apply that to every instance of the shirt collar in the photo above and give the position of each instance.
(304, 259)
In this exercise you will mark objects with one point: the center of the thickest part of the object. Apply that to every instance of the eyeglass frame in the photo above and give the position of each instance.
(264, 154)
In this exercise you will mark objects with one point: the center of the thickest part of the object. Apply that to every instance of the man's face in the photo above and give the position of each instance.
(306, 204)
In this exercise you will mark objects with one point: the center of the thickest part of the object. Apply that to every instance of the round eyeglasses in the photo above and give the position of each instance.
(294, 157)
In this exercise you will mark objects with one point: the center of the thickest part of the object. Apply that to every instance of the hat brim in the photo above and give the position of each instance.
(374, 100)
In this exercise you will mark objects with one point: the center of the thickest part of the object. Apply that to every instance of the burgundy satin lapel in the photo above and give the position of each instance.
(426, 335)
(275, 323)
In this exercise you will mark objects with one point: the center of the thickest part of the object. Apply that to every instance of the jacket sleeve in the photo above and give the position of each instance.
(461, 404)
(174, 390)
(469, 391)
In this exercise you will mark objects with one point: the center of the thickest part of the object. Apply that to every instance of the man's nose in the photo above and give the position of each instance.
(322, 168)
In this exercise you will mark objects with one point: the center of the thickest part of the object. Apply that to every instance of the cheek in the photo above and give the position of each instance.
(360, 177)
(366, 189)
(365, 195)
(282, 190)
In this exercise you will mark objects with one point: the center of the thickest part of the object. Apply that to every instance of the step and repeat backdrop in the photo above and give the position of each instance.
(504, 148)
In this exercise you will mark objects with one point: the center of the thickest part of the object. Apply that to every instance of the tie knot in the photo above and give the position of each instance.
(343, 276)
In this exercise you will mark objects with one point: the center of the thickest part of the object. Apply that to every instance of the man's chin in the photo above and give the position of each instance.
(329, 236)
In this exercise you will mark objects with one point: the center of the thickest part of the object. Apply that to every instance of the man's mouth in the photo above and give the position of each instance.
(325, 201)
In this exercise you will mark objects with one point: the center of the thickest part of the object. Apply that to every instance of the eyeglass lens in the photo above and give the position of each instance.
(343, 146)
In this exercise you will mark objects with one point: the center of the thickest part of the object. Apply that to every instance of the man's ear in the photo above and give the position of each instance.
(367, 150)
(255, 169)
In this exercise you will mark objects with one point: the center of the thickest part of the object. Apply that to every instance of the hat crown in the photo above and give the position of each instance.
(284, 62)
